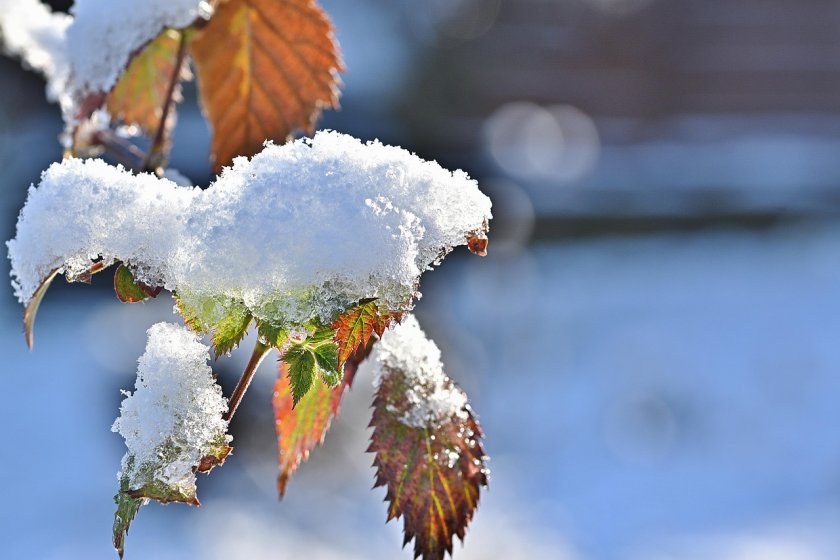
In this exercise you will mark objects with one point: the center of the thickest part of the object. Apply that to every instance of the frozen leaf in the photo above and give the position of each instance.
(230, 331)
(83, 54)
(127, 289)
(301, 428)
(172, 424)
(477, 243)
(265, 69)
(151, 81)
(283, 254)
(127, 508)
(354, 328)
(225, 319)
(427, 443)
(216, 456)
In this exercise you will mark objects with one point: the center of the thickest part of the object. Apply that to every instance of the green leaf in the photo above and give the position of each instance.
(326, 357)
(127, 508)
(32, 307)
(230, 331)
(227, 320)
(127, 289)
(302, 369)
(274, 336)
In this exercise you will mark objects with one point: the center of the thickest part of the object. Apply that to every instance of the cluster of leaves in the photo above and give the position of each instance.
(266, 68)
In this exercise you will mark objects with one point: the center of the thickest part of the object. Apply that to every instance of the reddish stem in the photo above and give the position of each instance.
(260, 351)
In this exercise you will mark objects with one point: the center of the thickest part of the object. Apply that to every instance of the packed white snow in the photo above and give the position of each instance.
(431, 396)
(174, 417)
(85, 53)
(300, 231)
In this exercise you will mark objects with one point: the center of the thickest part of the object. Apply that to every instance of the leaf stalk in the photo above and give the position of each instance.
(260, 351)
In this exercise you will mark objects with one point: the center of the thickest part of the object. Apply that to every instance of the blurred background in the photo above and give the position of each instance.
(651, 345)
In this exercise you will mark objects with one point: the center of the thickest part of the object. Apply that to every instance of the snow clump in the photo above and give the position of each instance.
(431, 397)
(300, 231)
(174, 417)
(84, 53)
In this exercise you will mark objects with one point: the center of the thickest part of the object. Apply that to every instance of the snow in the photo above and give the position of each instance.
(29, 29)
(432, 397)
(300, 231)
(85, 53)
(174, 417)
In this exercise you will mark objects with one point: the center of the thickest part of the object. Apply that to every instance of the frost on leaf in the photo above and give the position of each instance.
(300, 233)
(83, 55)
(426, 440)
(265, 69)
(172, 424)
(129, 290)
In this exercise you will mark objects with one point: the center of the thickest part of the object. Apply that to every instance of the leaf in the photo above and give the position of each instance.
(127, 289)
(265, 69)
(433, 473)
(301, 428)
(226, 320)
(326, 357)
(229, 332)
(127, 508)
(354, 328)
(33, 305)
(142, 91)
(477, 244)
(302, 370)
(35, 302)
(215, 458)
(274, 336)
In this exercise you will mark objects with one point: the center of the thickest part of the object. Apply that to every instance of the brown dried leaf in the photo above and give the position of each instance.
(265, 69)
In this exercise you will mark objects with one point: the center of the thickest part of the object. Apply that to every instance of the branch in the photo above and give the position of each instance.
(121, 149)
(156, 157)
(260, 351)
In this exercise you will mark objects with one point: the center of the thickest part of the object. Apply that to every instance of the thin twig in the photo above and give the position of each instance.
(155, 157)
(121, 149)
(260, 351)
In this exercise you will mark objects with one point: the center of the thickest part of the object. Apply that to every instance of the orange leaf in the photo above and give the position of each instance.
(354, 328)
(143, 90)
(265, 69)
(301, 428)
(433, 473)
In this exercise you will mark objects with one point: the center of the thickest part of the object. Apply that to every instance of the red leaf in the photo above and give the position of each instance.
(301, 428)
(433, 473)
(354, 328)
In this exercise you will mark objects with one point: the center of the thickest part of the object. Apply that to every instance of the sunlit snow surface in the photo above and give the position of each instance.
(650, 398)
(174, 416)
(407, 351)
(298, 231)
